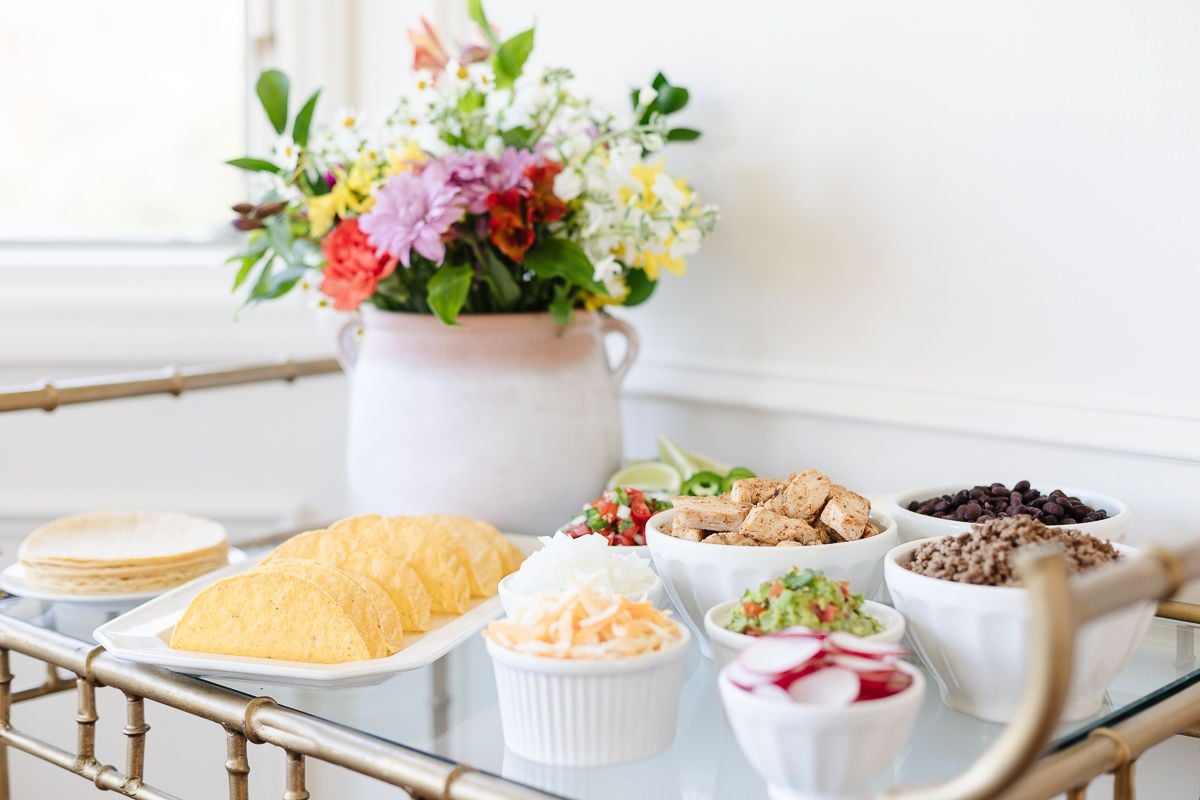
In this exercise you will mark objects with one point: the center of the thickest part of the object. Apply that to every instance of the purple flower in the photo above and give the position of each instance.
(413, 210)
(479, 175)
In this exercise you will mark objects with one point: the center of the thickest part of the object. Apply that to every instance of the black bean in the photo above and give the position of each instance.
(1052, 507)
(971, 512)
(1083, 510)
(978, 492)
(1030, 495)
(1021, 486)
(1037, 502)
(941, 505)
(1049, 519)
(1068, 521)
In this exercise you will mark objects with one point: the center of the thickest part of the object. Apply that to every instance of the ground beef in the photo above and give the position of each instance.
(984, 555)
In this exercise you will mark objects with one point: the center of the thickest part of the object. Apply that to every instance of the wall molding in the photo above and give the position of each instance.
(1145, 427)
(148, 307)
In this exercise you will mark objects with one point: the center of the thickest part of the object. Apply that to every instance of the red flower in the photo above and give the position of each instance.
(546, 206)
(510, 220)
(352, 269)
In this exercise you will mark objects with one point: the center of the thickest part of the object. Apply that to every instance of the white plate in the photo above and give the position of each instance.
(12, 580)
(143, 635)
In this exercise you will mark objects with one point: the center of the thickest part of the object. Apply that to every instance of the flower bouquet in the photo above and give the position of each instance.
(486, 189)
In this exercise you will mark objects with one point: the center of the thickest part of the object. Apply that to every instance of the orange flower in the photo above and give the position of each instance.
(352, 268)
(510, 220)
(546, 205)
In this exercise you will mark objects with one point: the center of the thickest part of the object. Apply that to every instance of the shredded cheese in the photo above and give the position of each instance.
(586, 622)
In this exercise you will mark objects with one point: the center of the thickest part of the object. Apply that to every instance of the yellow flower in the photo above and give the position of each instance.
(401, 159)
(654, 263)
(591, 302)
(323, 208)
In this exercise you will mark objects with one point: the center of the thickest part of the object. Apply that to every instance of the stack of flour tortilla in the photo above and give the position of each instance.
(121, 552)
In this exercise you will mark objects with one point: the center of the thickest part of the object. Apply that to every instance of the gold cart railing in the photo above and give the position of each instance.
(1013, 767)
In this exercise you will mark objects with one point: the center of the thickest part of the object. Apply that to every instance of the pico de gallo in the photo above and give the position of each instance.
(804, 598)
(620, 515)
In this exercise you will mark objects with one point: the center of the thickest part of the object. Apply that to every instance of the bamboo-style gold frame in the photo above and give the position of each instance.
(1013, 767)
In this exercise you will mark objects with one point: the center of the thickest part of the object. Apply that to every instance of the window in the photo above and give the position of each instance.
(117, 118)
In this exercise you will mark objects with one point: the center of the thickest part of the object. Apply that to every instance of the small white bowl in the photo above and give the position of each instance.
(727, 644)
(975, 640)
(512, 601)
(915, 526)
(807, 752)
(699, 575)
(581, 713)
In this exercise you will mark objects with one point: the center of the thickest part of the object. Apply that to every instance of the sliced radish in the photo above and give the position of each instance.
(743, 678)
(863, 666)
(856, 645)
(801, 631)
(774, 655)
(827, 687)
(769, 691)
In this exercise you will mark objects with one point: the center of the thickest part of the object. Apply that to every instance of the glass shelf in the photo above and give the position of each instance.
(449, 709)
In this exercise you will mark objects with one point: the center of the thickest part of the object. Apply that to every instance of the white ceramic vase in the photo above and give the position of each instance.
(507, 418)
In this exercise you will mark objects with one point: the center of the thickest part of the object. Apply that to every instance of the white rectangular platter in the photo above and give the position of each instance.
(143, 634)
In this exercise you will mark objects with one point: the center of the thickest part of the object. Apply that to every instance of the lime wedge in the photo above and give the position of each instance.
(649, 476)
(687, 463)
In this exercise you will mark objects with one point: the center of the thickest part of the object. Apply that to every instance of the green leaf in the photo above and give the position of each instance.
(304, 119)
(283, 282)
(471, 101)
(510, 57)
(253, 164)
(279, 235)
(640, 287)
(560, 306)
(503, 286)
(448, 291)
(256, 245)
(559, 258)
(477, 15)
(671, 99)
(517, 137)
(683, 135)
(273, 93)
(248, 262)
(659, 81)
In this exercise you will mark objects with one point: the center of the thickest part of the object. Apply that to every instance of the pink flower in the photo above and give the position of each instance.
(479, 175)
(413, 211)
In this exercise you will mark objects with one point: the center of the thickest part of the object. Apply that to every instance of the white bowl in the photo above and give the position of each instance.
(726, 644)
(589, 712)
(915, 526)
(698, 575)
(512, 601)
(807, 752)
(975, 640)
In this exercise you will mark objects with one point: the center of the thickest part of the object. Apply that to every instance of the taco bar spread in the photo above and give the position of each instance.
(351, 591)
(807, 508)
(106, 552)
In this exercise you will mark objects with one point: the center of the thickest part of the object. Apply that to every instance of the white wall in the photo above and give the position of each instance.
(958, 240)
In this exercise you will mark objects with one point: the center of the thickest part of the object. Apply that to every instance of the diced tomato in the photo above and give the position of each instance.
(829, 613)
(753, 609)
(607, 510)
(845, 587)
(776, 589)
(581, 529)
(639, 510)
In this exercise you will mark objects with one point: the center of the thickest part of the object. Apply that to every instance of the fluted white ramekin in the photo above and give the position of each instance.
(589, 712)
(807, 752)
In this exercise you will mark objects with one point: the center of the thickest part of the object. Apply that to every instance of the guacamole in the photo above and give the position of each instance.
(802, 598)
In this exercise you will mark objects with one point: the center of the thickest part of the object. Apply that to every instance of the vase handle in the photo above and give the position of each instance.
(629, 334)
(346, 344)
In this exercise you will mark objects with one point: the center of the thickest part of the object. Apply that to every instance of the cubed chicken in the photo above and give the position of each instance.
(804, 496)
(769, 528)
(756, 490)
(847, 513)
(709, 513)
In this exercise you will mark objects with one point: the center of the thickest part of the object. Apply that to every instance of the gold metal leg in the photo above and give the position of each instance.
(136, 729)
(237, 765)
(5, 719)
(86, 719)
(1078, 793)
(295, 778)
